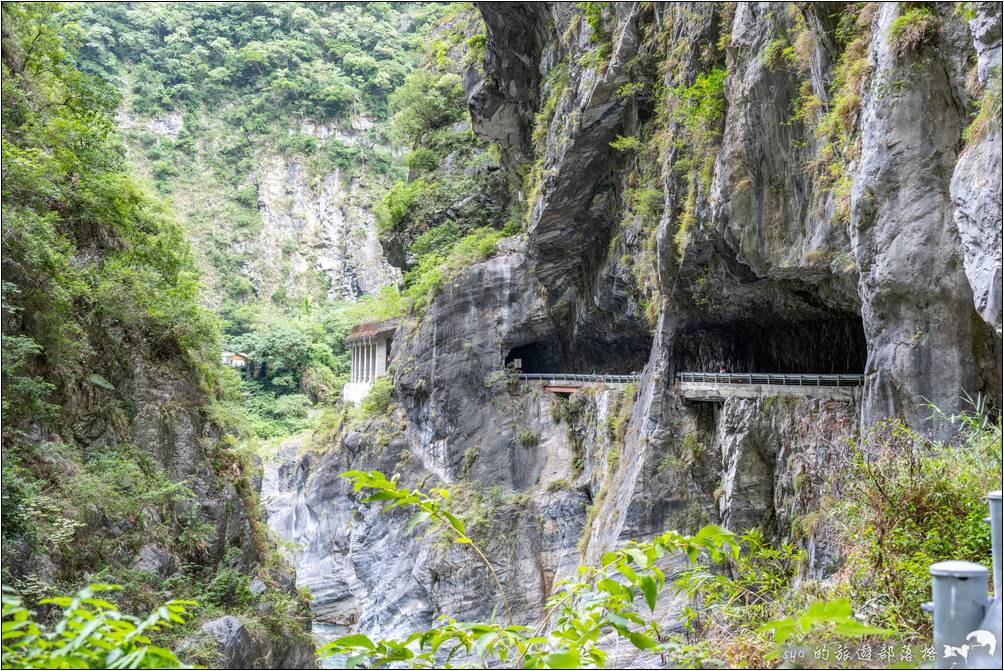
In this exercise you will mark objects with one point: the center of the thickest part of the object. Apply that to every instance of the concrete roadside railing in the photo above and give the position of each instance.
(967, 622)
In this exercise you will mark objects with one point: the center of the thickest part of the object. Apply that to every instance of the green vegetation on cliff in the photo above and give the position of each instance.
(110, 470)
(87, 252)
(267, 128)
(449, 211)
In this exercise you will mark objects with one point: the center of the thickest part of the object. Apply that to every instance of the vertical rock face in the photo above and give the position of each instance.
(781, 245)
(316, 227)
(502, 107)
(894, 272)
(364, 570)
(776, 455)
(448, 368)
(917, 303)
(976, 194)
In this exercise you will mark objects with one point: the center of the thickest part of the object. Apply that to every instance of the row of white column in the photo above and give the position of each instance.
(369, 360)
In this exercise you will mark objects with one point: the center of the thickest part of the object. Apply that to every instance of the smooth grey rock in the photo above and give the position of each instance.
(976, 194)
(155, 560)
(986, 29)
(917, 304)
(243, 648)
(234, 640)
(257, 586)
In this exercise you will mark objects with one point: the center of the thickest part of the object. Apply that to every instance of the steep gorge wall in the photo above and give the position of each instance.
(292, 226)
(789, 238)
(364, 570)
(808, 272)
(764, 249)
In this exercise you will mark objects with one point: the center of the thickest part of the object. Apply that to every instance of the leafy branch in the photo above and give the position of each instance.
(91, 633)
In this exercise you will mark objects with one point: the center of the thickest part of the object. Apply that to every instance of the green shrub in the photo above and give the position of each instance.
(24, 393)
(703, 102)
(904, 514)
(779, 52)
(913, 31)
(626, 143)
(396, 204)
(90, 633)
(424, 281)
(229, 588)
(988, 110)
(379, 399)
(385, 304)
(593, 11)
(422, 159)
(477, 49)
(474, 247)
(432, 270)
(292, 406)
(526, 438)
(438, 240)
(426, 102)
(748, 594)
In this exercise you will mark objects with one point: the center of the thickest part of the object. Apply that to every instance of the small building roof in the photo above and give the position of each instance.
(373, 330)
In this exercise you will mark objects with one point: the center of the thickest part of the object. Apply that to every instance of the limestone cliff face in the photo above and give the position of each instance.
(302, 230)
(888, 273)
(809, 227)
(896, 286)
(927, 340)
(316, 229)
(364, 571)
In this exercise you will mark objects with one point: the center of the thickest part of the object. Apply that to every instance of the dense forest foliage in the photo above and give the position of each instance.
(235, 98)
(101, 300)
(87, 250)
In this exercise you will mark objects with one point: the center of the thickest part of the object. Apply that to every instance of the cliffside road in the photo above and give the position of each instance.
(716, 387)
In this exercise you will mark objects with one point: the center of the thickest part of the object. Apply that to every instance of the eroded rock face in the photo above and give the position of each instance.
(365, 571)
(917, 304)
(776, 455)
(156, 560)
(243, 648)
(977, 198)
(890, 268)
(976, 194)
(904, 285)
(317, 227)
(448, 367)
(503, 106)
(169, 424)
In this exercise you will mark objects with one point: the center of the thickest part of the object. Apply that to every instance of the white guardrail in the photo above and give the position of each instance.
(791, 379)
(578, 377)
(800, 380)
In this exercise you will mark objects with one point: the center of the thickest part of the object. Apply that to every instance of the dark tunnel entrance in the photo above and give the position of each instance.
(538, 357)
(834, 345)
(549, 356)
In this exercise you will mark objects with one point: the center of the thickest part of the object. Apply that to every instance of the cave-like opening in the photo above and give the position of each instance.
(545, 356)
(550, 356)
(834, 344)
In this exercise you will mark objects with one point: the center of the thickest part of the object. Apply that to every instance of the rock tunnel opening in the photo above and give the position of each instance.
(773, 345)
(551, 356)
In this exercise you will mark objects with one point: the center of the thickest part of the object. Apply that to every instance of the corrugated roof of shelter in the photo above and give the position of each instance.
(373, 329)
